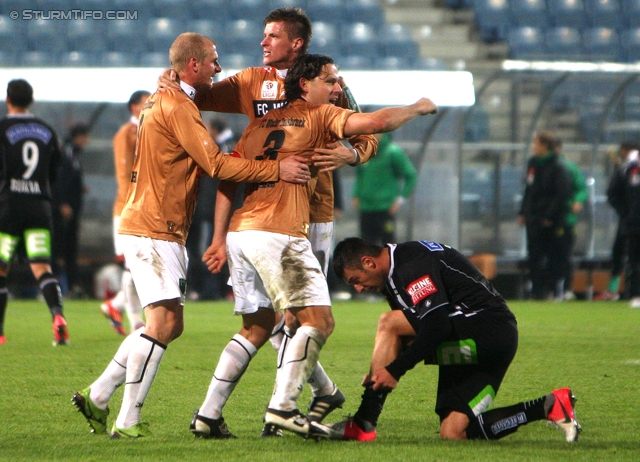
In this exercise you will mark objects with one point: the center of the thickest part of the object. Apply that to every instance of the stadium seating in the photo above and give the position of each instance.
(174, 9)
(9, 59)
(87, 35)
(569, 13)
(118, 59)
(526, 42)
(631, 12)
(126, 36)
(397, 40)
(604, 13)
(430, 64)
(154, 59)
(12, 37)
(236, 61)
(209, 27)
(143, 8)
(217, 10)
(249, 9)
(367, 11)
(78, 59)
(325, 10)
(162, 32)
(359, 39)
(44, 35)
(325, 38)
(630, 44)
(601, 44)
(39, 59)
(242, 36)
(393, 63)
(564, 43)
(529, 13)
(273, 4)
(492, 19)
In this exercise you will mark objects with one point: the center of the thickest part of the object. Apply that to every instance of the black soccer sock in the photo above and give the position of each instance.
(370, 408)
(498, 423)
(50, 288)
(4, 293)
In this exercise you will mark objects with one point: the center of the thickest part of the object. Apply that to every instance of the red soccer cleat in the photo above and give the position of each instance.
(3, 340)
(349, 430)
(114, 316)
(60, 332)
(563, 415)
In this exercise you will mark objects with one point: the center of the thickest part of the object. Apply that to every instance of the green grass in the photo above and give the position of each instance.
(592, 347)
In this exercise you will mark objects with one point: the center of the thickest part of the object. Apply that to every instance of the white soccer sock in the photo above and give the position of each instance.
(113, 376)
(277, 334)
(142, 367)
(118, 301)
(321, 384)
(234, 360)
(132, 302)
(300, 358)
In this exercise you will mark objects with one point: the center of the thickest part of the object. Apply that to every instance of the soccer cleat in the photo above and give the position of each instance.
(321, 406)
(607, 296)
(349, 430)
(96, 417)
(115, 317)
(139, 430)
(60, 332)
(204, 427)
(563, 415)
(294, 421)
(3, 340)
(271, 431)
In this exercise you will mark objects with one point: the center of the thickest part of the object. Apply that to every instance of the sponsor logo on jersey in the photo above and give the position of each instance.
(285, 122)
(421, 288)
(433, 246)
(21, 131)
(260, 108)
(269, 90)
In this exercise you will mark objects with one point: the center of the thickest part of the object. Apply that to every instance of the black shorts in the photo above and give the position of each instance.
(19, 215)
(474, 362)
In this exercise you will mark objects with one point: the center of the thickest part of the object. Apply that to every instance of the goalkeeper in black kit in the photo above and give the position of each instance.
(444, 312)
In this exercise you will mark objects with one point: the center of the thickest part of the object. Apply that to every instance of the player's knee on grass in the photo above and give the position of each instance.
(454, 426)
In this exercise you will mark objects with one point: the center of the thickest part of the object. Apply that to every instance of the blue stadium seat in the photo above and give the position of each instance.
(118, 59)
(367, 11)
(526, 42)
(630, 43)
(174, 9)
(359, 39)
(127, 36)
(9, 59)
(354, 62)
(253, 10)
(51, 5)
(162, 32)
(78, 59)
(430, 64)
(604, 13)
(397, 40)
(143, 8)
(631, 10)
(602, 44)
(492, 19)
(530, 13)
(564, 43)
(458, 4)
(12, 37)
(87, 35)
(273, 4)
(325, 10)
(46, 35)
(39, 59)
(237, 61)
(208, 27)
(242, 36)
(394, 63)
(325, 39)
(217, 10)
(570, 13)
(155, 59)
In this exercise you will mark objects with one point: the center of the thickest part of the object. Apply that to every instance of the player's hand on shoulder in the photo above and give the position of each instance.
(168, 80)
(295, 169)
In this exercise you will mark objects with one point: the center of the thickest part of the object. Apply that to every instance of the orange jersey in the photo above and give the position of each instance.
(257, 90)
(172, 143)
(297, 129)
(124, 147)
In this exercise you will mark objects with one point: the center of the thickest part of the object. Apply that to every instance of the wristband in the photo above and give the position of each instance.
(356, 158)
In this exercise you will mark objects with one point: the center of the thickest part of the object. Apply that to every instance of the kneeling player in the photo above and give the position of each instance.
(454, 318)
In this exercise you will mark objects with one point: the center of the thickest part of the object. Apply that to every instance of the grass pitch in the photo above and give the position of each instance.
(592, 347)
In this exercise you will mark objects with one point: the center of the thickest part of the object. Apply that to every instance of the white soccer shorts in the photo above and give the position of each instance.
(271, 270)
(159, 268)
(321, 238)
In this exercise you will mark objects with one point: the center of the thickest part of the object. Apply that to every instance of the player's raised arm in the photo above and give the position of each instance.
(387, 119)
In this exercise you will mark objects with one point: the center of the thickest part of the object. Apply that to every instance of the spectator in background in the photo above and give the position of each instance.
(204, 285)
(579, 195)
(624, 195)
(124, 149)
(544, 213)
(68, 192)
(619, 249)
(382, 186)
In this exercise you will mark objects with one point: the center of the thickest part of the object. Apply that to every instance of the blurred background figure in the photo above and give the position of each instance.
(382, 185)
(68, 192)
(202, 285)
(124, 148)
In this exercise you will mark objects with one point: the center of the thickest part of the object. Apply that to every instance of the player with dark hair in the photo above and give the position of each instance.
(173, 150)
(124, 148)
(255, 91)
(453, 317)
(271, 262)
(30, 156)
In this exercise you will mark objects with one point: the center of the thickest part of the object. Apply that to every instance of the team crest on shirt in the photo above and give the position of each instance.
(269, 89)
(421, 288)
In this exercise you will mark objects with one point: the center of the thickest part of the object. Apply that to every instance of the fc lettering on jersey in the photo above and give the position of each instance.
(260, 108)
(421, 288)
